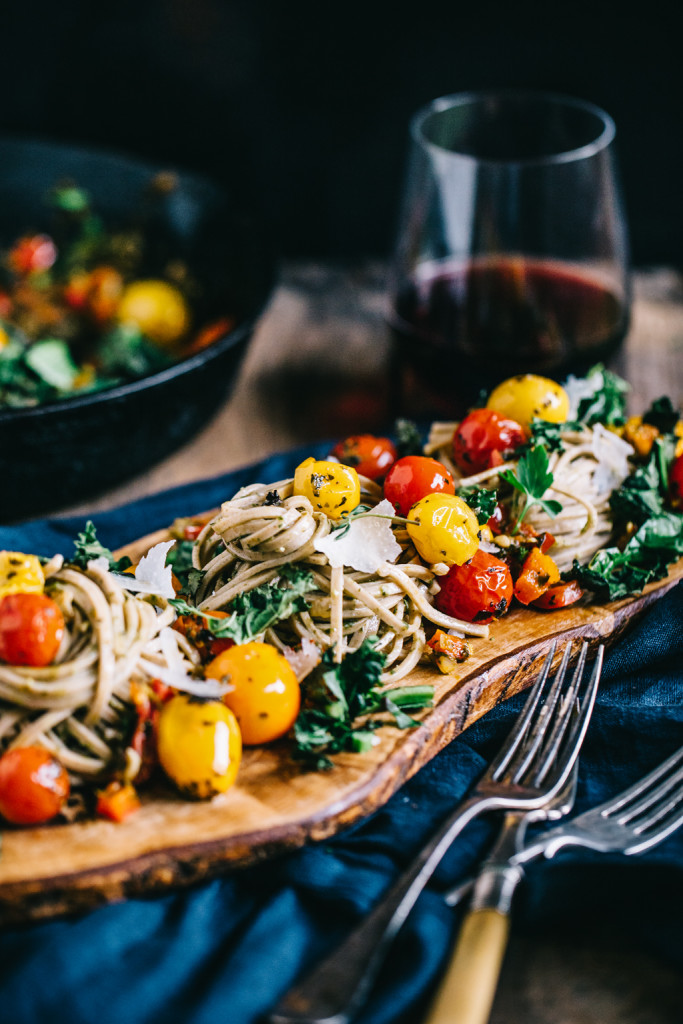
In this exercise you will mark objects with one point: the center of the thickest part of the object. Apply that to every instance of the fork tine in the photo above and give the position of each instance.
(565, 716)
(563, 762)
(639, 788)
(661, 812)
(535, 737)
(655, 802)
(516, 735)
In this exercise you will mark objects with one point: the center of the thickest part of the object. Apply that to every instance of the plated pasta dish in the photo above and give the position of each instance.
(298, 612)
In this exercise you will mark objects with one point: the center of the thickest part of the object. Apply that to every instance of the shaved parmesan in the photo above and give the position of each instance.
(174, 670)
(152, 575)
(303, 659)
(612, 454)
(365, 544)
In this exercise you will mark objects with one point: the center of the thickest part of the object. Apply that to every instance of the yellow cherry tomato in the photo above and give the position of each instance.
(527, 397)
(265, 695)
(443, 529)
(20, 573)
(331, 487)
(199, 745)
(157, 308)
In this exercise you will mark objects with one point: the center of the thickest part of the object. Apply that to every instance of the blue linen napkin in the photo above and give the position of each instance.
(227, 949)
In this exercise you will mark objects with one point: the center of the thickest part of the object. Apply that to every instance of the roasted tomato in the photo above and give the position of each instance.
(158, 309)
(369, 455)
(676, 482)
(527, 397)
(265, 695)
(33, 254)
(33, 785)
(559, 595)
(412, 478)
(199, 745)
(443, 529)
(478, 591)
(483, 439)
(20, 573)
(31, 629)
(329, 486)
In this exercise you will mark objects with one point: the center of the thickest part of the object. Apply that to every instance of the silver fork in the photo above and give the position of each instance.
(630, 823)
(529, 771)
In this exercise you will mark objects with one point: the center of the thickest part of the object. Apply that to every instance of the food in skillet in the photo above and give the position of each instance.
(89, 306)
(298, 611)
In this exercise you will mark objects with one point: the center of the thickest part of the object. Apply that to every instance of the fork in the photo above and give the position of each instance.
(633, 821)
(529, 771)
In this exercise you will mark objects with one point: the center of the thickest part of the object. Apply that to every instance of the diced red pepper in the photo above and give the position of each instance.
(539, 572)
(118, 801)
(559, 595)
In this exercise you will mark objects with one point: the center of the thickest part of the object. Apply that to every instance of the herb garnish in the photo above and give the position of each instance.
(533, 478)
(408, 438)
(179, 558)
(481, 500)
(607, 403)
(255, 610)
(339, 694)
(88, 547)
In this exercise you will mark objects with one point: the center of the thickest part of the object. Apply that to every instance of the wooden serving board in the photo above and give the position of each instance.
(275, 806)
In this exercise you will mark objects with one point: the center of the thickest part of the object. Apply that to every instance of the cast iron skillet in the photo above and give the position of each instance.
(67, 451)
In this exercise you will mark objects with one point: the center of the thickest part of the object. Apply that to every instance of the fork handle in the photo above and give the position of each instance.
(466, 993)
(334, 990)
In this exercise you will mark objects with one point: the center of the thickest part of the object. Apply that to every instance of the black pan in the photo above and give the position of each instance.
(64, 452)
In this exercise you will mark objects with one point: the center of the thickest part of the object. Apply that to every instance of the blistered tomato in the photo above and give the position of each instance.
(33, 785)
(413, 477)
(483, 439)
(329, 486)
(478, 591)
(369, 455)
(443, 529)
(199, 745)
(266, 695)
(676, 482)
(527, 397)
(31, 629)
(20, 573)
(157, 308)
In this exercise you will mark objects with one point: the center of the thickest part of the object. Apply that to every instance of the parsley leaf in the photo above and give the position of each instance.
(662, 415)
(481, 500)
(607, 403)
(533, 478)
(408, 438)
(340, 694)
(87, 547)
(180, 559)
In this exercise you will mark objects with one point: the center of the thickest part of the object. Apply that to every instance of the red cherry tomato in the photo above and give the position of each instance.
(31, 629)
(32, 254)
(483, 439)
(369, 455)
(478, 591)
(33, 785)
(414, 477)
(559, 595)
(676, 482)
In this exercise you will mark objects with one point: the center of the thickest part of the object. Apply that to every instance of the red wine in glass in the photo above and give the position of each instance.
(459, 329)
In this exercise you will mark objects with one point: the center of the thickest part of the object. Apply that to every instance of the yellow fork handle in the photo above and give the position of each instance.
(466, 992)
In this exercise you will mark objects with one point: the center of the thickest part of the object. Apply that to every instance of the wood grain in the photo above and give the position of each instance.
(275, 806)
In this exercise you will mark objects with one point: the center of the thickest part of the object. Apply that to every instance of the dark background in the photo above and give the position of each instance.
(304, 106)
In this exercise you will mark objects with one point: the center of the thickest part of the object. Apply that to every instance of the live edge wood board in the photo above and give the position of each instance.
(275, 806)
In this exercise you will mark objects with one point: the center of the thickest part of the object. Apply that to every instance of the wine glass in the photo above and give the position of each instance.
(512, 249)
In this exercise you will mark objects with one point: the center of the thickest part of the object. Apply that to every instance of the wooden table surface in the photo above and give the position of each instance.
(316, 369)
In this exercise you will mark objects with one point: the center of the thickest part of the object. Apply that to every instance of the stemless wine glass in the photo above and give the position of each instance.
(512, 251)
